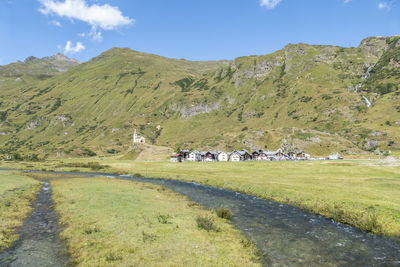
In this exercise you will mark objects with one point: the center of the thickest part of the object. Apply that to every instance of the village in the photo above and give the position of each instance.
(244, 155)
(237, 155)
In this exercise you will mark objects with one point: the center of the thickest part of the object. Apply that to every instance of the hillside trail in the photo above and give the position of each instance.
(284, 235)
(39, 243)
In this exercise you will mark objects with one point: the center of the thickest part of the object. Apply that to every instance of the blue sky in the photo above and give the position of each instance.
(191, 29)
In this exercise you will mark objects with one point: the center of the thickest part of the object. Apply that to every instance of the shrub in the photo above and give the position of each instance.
(369, 221)
(88, 152)
(385, 88)
(95, 166)
(247, 242)
(92, 165)
(32, 157)
(206, 223)
(224, 213)
(112, 151)
(148, 237)
(113, 257)
(164, 219)
(92, 230)
(193, 204)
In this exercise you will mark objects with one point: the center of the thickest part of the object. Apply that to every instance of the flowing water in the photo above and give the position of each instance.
(39, 244)
(286, 235)
(369, 104)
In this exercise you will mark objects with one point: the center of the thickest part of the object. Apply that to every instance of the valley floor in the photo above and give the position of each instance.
(107, 222)
(122, 223)
(362, 193)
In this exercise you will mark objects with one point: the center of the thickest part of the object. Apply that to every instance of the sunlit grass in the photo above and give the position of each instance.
(122, 223)
(365, 194)
(16, 194)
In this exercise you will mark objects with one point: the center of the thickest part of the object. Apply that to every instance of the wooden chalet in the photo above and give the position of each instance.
(240, 155)
(259, 155)
(175, 157)
(185, 154)
(211, 156)
(301, 156)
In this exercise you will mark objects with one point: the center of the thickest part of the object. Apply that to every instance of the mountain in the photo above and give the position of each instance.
(40, 68)
(320, 99)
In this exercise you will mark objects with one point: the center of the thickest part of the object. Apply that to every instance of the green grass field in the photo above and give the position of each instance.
(364, 194)
(122, 223)
(16, 194)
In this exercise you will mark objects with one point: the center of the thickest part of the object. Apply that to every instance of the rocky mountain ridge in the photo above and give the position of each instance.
(321, 99)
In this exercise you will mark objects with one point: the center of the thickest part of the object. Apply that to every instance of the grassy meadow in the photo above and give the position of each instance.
(16, 194)
(364, 194)
(122, 223)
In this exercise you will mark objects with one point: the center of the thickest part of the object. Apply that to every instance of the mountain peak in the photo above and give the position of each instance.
(60, 57)
(31, 58)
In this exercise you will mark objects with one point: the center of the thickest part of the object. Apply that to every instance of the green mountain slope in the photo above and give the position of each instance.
(307, 97)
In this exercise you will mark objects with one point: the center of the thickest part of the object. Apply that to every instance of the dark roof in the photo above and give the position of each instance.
(243, 152)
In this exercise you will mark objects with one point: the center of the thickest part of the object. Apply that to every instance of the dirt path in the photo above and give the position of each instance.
(38, 244)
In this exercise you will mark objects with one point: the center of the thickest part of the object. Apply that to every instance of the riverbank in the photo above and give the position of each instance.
(122, 223)
(17, 192)
(362, 193)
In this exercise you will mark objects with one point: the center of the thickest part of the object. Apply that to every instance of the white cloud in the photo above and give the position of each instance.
(96, 35)
(55, 23)
(270, 4)
(384, 5)
(105, 16)
(70, 48)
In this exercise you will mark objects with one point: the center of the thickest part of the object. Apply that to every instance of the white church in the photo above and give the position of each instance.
(138, 138)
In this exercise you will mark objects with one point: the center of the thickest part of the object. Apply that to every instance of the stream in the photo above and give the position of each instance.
(286, 235)
(39, 244)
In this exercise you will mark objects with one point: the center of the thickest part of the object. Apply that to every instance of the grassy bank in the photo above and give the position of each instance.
(364, 194)
(121, 223)
(16, 194)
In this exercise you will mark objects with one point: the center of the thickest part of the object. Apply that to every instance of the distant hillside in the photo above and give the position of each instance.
(39, 67)
(318, 98)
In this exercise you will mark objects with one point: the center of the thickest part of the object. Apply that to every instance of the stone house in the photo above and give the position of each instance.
(222, 156)
(194, 156)
(235, 156)
(260, 155)
(240, 155)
